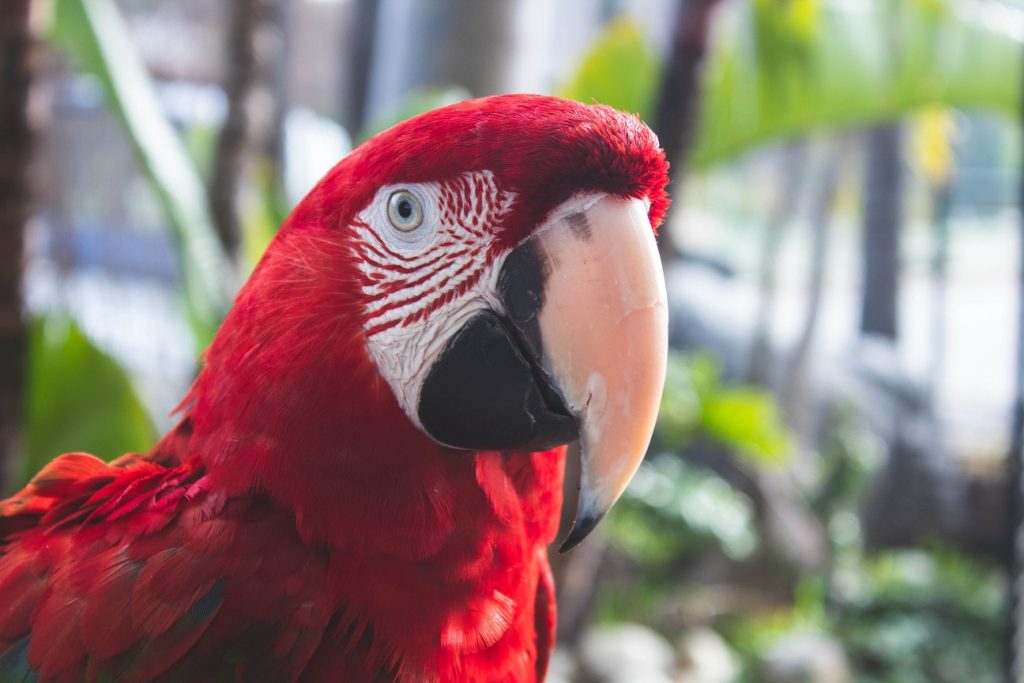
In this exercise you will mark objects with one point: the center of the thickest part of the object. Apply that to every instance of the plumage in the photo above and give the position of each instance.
(297, 524)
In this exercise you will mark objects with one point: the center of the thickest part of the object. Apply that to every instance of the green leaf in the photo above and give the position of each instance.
(94, 35)
(262, 213)
(78, 399)
(744, 418)
(826, 63)
(748, 420)
(619, 70)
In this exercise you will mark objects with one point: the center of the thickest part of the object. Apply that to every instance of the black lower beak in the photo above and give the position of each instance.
(486, 391)
(581, 528)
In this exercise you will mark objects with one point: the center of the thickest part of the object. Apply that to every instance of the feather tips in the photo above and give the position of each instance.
(123, 574)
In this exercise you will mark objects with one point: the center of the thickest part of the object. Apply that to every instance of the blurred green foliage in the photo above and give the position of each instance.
(671, 514)
(744, 418)
(690, 509)
(926, 615)
(922, 616)
(790, 67)
(77, 399)
(619, 70)
(262, 214)
(782, 68)
(908, 616)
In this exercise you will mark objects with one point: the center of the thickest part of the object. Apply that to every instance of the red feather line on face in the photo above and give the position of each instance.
(418, 286)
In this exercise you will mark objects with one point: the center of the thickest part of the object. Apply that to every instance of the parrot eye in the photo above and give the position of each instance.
(405, 210)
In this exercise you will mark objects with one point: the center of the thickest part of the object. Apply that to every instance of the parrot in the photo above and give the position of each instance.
(366, 473)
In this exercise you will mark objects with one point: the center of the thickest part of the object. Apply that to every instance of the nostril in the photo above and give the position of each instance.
(579, 226)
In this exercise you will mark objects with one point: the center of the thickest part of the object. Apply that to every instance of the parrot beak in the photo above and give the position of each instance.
(579, 351)
(604, 331)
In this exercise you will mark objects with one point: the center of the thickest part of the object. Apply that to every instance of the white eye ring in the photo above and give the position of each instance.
(405, 210)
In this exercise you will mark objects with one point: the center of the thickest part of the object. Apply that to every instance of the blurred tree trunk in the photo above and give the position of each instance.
(794, 382)
(473, 44)
(16, 50)
(280, 24)
(244, 17)
(359, 52)
(482, 50)
(791, 174)
(1014, 538)
(883, 213)
(675, 118)
(942, 201)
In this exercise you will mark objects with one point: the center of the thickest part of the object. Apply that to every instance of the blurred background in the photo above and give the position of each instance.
(834, 487)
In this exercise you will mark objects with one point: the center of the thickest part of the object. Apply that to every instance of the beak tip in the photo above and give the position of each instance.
(581, 528)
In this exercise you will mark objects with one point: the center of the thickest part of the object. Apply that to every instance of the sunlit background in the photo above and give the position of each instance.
(829, 497)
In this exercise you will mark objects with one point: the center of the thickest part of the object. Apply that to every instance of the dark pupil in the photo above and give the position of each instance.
(404, 208)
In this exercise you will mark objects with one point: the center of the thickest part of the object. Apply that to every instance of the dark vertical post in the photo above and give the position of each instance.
(280, 22)
(883, 198)
(240, 78)
(16, 51)
(467, 43)
(794, 381)
(483, 45)
(792, 162)
(362, 31)
(1015, 474)
(677, 106)
(942, 201)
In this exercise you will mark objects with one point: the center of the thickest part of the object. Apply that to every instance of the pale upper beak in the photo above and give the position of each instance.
(604, 326)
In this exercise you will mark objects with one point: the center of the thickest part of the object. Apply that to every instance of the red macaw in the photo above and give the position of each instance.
(368, 468)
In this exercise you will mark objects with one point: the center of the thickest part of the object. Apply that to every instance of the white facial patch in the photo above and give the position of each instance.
(422, 285)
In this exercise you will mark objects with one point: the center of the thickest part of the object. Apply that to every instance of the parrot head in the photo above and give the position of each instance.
(488, 272)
